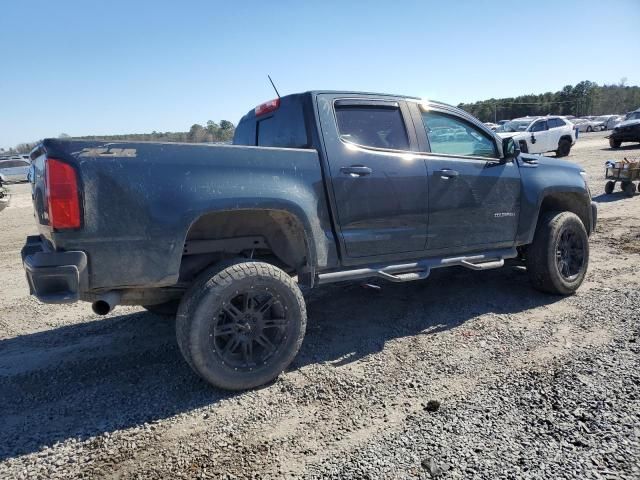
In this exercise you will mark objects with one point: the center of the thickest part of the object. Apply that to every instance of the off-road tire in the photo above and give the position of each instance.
(630, 189)
(614, 143)
(166, 309)
(197, 315)
(609, 186)
(564, 148)
(542, 262)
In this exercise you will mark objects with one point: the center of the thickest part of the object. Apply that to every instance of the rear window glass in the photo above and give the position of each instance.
(266, 133)
(284, 128)
(372, 126)
(13, 164)
(555, 122)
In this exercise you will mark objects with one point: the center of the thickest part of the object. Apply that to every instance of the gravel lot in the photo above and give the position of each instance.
(464, 375)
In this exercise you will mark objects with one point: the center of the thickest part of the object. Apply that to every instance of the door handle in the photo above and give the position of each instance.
(356, 171)
(447, 173)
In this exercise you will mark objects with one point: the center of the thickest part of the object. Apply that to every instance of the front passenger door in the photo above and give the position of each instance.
(474, 197)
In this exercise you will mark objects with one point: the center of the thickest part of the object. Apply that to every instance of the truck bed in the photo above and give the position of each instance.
(140, 199)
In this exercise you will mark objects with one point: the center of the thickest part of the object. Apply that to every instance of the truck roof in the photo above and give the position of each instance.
(353, 92)
(288, 121)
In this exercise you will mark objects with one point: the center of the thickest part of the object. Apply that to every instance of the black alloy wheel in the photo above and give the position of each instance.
(249, 328)
(570, 254)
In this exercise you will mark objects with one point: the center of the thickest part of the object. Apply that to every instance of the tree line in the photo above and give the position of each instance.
(211, 132)
(585, 98)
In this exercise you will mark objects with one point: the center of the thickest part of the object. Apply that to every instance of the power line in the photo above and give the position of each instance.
(536, 103)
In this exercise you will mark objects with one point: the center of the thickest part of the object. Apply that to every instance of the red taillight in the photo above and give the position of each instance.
(62, 195)
(267, 107)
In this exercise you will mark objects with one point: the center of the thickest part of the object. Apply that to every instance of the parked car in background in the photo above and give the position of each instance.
(614, 121)
(14, 170)
(541, 134)
(492, 126)
(607, 121)
(626, 131)
(586, 125)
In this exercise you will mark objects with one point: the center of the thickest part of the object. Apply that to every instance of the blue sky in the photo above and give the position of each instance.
(106, 67)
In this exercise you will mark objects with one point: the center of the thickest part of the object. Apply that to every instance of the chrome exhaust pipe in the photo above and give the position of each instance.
(106, 303)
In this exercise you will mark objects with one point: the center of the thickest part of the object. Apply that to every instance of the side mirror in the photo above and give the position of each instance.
(510, 149)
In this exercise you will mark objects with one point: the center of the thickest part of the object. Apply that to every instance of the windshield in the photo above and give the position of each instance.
(516, 126)
(633, 116)
(602, 118)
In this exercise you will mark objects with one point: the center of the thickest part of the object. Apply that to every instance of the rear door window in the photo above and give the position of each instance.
(372, 126)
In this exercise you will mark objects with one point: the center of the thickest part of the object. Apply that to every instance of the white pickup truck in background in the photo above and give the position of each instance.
(540, 135)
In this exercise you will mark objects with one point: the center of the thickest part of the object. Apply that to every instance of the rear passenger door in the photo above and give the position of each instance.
(555, 132)
(378, 182)
(474, 197)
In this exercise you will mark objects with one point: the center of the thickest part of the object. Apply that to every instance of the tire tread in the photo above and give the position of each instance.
(542, 274)
(220, 276)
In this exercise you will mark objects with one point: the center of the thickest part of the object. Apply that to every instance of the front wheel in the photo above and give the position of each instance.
(589, 129)
(239, 326)
(558, 258)
(614, 143)
(564, 147)
(609, 186)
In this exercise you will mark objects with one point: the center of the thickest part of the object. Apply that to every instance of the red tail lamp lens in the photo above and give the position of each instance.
(62, 195)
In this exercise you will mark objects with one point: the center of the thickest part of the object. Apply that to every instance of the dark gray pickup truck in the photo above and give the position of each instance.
(317, 187)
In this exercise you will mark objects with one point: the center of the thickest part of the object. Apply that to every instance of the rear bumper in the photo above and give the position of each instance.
(594, 217)
(54, 277)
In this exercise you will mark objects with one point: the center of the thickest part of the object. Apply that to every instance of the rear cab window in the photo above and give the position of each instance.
(284, 127)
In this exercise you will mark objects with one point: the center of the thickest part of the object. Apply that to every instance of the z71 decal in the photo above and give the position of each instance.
(108, 152)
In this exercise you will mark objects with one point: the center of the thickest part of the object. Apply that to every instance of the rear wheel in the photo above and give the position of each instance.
(239, 326)
(614, 143)
(609, 186)
(589, 129)
(564, 147)
(629, 189)
(558, 257)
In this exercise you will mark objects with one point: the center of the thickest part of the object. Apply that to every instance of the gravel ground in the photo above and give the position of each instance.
(464, 375)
